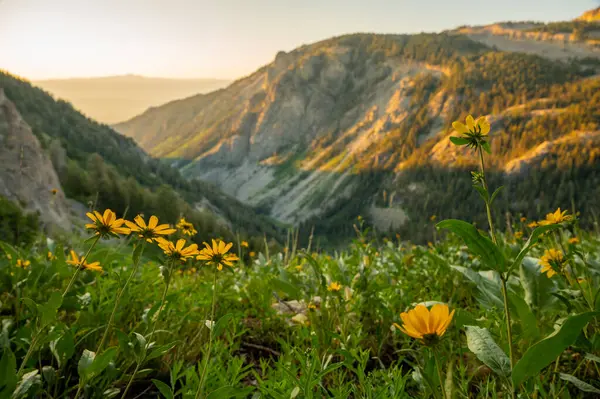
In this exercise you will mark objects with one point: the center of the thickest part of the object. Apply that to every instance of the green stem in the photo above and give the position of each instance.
(118, 299)
(149, 340)
(487, 204)
(212, 321)
(78, 269)
(508, 328)
(29, 351)
(439, 372)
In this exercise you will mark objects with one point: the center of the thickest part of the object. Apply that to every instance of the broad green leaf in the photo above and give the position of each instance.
(537, 286)
(63, 348)
(295, 392)
(548, 349)
(228, 392)
(481, 343)
(85, 362)
(101, 361)
(164, 389)
(593, 358)
(535, 235)
(584, 386)
(477, 243)
(8, 374)
(487, 284)
(28, 385)
(526, 319)
(31, 305)
(459, 140)
(139, 345)
(49, 374)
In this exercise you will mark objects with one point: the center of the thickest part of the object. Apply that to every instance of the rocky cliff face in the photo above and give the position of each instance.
(27, 176)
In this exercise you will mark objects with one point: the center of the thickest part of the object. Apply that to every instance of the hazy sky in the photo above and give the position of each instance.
(220, 38)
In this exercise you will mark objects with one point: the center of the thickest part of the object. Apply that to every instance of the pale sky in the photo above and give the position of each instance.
(42, 39)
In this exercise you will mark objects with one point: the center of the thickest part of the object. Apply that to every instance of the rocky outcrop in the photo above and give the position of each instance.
(27, 176)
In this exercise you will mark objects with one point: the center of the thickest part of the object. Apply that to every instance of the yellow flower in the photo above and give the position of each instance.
(252, 254)
(555, 218)
(23, 263)
(177, 251)
(186, 227)
(533, 225)
(299, 268)
(107, 224)
(425, 325)
(244, 244)
(518, 235)
(75, 261)
(432, 218)
(552, 262)
(523, 219)
(150, 231)
(54, 191)
(50, 256)
(474, 132)
(573, 240)
(217, 254)
(312, 306)
(334, 286)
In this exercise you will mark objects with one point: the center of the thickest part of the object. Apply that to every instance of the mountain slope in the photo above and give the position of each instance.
(98, 166)
(349, 125)
(114, 99)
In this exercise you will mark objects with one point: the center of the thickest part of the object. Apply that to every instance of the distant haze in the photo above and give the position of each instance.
(118, 98)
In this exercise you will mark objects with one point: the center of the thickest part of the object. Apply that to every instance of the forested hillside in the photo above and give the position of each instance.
(99, 166)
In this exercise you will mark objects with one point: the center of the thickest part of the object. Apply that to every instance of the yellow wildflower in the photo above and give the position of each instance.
(552, 262)
(244, 244)
(50, 256)
(334, 286)
(523, 219)
(81, 263)
(533, 225)
(217, 254)
(23, 263)
(252, 254)
(573, 240)
(106, 224)
(555, 218)
(425, 325)
(54, 191)
(151, 231)
(312, 306)
(518, 235)
(433, 218)
(186, 227)
(474, 133)
(177, 251)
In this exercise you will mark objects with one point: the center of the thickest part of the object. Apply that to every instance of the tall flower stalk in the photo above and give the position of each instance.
(475, 135)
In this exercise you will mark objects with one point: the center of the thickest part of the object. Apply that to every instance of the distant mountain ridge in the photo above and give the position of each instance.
(113, 99)
(351, 125)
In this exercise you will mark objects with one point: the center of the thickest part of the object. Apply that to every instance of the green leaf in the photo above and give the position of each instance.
(584, 386)
(295, 392)
(459, 140)
(8, 371)
(463, 318)
(527, 320)
(160, 350)
(537, 286)
(85, 362)
(482, 193)
(535, 235)
(488, 285)
(164, 389)
(481, 343)
(111, 393)
(28, 385)
(593, 358)
(63, 348)
(47, 311)
(548, 349)
(139, 345)
(31, 305)
(477, 243)
(101, 362)
(495, 194)
(291, 290)
(137, 253)
(221, 323)
(227, 392)
(49, 374)
(486, 147)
